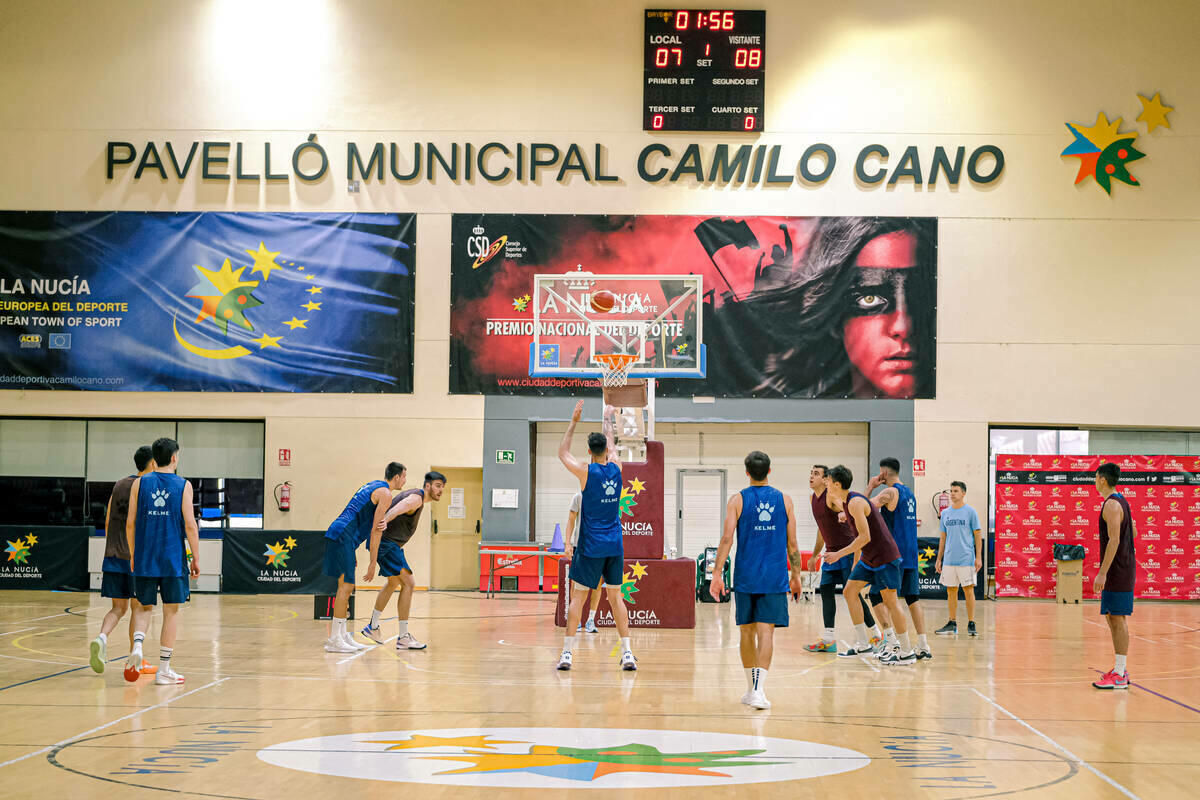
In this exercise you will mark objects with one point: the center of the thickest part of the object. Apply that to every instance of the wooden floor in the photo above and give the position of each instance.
(265, 713)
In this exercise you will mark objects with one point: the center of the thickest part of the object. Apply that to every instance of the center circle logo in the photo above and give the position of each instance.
(556, 758)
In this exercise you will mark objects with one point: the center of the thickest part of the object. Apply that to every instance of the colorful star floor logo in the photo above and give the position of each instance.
(227, 294)
(18, 551)
(565, 758)
(1104, 150)
(277, 554)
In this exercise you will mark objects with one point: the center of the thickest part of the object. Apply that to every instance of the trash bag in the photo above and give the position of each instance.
(1069, 552)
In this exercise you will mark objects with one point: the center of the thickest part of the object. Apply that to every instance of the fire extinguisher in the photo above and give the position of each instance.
(283, 496)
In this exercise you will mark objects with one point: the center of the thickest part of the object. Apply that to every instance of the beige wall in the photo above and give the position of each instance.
(1048, 293)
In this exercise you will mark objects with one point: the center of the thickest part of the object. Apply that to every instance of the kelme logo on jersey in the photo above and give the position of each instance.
(765, 510)
(610, 488)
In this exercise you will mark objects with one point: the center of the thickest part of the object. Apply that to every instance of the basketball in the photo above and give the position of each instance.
(603, 301)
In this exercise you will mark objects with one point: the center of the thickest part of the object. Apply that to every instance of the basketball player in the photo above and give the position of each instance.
(765, 523)
(898, 506)
(161, 513)
(1118, 571)
(878, 567)
(600, 555)
(387, 549)
(362, 514)
(118, 573)
(572, 517)
(837, 535)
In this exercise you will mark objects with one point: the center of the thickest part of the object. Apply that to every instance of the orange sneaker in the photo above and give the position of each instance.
(148, 668)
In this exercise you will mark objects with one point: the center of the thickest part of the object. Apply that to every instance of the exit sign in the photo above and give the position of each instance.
(506, 456)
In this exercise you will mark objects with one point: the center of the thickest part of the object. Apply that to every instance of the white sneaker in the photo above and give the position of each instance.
(408, 642)
(99, 655)
(374, 634)
(167, 677)
(564, 661)
(628, 662)
(746, 697)
(348, 638)
(335, 645)
(759, 700)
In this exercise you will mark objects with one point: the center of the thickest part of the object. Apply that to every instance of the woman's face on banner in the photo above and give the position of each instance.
(878, 332)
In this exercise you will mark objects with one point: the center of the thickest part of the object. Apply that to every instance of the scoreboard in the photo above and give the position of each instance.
(704, 70)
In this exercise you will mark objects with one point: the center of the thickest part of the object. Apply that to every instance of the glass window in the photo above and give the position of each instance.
(111, 443)
(48, 448)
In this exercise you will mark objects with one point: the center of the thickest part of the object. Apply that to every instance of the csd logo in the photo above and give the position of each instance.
(481, 248)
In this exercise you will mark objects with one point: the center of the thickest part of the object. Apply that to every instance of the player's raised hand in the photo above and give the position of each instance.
(716, 587)
(578, 412)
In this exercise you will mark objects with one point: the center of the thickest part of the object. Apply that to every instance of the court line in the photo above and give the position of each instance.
(39, 660)
(10, 633)
(369, 649)
(1069, 754)
(1156, 694)
(110, 724)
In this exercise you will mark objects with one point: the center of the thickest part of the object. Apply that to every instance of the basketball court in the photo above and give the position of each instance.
(266, 714)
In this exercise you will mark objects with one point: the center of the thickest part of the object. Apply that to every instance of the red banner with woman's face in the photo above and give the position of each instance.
(792, 306)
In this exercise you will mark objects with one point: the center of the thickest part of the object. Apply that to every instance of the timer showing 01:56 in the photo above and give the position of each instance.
(743, 57)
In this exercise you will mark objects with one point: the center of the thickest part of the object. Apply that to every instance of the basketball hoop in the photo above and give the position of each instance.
(614, 367)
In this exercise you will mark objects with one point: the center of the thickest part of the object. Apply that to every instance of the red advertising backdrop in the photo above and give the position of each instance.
(1042, 501)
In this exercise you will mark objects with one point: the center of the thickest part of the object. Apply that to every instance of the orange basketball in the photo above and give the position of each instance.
(603, 301)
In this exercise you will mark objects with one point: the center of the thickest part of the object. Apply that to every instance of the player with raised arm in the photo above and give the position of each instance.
(353, 526)
(387, 550)
(763, 521)
(879, 566)
(600, 553)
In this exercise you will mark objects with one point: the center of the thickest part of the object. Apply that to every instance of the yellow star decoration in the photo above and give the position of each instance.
(300, 268)
(314, 290)
(929, 553)
(276, 549)
(294, 323)
(264, 260)
(31, 539)
(266, 340)
(1103, 133)
(419, 742)
(289, 543)
(309, 277)
(639, 570)
(226, 279)
(311, 306)
(636, 486)
(1154, 113)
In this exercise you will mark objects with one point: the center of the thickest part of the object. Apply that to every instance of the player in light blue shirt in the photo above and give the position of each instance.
(960, 549)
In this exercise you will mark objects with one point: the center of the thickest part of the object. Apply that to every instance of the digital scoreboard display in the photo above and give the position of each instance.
(704, 70)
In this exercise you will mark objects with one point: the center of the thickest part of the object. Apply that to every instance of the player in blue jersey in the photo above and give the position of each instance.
(764, 522)
(160, 515)
(898, 505)
(600, 553)
(353, 526)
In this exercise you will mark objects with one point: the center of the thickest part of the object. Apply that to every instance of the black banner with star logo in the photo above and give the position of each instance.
(274, 562)
(44, 557)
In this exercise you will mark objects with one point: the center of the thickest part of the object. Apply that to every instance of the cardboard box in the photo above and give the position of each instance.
(1069, 586)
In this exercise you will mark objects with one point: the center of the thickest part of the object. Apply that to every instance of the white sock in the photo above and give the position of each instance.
(625, 645)
(592, 617)
(861, 630)
(403, 628)
(905, 644)
(568, 644)
(164, 658)
(103, 637)
(1120, 667)
(889, 636)
(876, 631)
(749, 679)
(339, 628)
(827, 634)
(921, 641)
(138, 638)
(760, 679)
(375, 612)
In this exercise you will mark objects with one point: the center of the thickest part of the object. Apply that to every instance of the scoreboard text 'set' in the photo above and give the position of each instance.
(704, 70)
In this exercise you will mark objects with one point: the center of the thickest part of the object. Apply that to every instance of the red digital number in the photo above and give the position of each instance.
(714, 21)
(663, 56)
(748, 122)
(656, 122)
(743, 57)
(681, 20)
(727, 20)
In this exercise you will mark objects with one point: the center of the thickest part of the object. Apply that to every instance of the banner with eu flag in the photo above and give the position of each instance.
(207, 301)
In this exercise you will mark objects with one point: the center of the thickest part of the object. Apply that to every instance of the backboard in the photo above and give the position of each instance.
(656, 319)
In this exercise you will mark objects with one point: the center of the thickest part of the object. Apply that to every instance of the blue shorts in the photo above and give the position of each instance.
(117, 584)
(1118, 604)
(588, 571)
(886, 577)
(910, 584)
(837, 572)
(391, 559)
(770, 608)
(339, 559)
(172, 589)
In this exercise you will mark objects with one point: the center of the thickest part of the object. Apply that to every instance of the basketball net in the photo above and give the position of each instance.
(614, 367)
